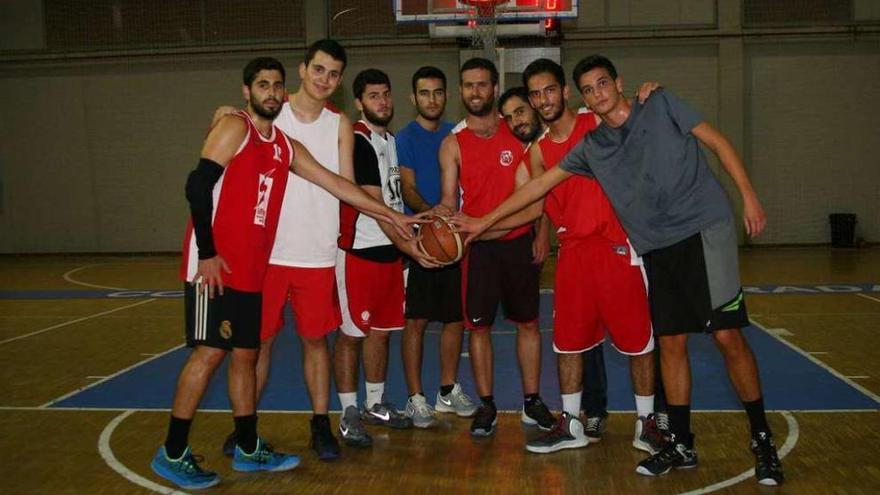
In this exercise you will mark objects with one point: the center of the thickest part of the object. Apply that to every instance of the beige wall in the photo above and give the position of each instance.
(94, 152)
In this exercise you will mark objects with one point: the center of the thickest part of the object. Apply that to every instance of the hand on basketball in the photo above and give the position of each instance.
(474, 227)
(753, 216)
(411, 248)
(646, 89)
(440, 211)
(210, 274)
(403, 224)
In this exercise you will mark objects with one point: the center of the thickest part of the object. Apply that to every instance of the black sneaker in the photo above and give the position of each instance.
(229, 445)
(675, 455)
(535, 413)
(484, 421)
(768, 469)
(323, 442)
(595, 426)
(663, 424)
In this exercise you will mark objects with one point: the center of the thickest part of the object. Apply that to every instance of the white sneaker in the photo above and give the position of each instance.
(456, 402)
(420, 412)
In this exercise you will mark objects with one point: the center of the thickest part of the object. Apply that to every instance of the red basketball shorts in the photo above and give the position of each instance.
(312, 294)
(370, 293)
(600, 286)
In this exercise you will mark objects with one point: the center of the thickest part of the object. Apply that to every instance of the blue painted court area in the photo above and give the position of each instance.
(790, 380)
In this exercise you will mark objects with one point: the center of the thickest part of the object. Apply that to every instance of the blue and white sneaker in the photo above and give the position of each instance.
(184, 471)
(263, 459)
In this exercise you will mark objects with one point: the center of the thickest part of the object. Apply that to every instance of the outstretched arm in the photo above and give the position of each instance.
(308, 168)
(753, 213)
(532, 191)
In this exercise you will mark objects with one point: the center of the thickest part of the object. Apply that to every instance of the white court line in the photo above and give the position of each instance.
(790, 441)
(71, 322)
(869, 297)
(824, 366)
(110, 377)
(67, 276)
(113, 462)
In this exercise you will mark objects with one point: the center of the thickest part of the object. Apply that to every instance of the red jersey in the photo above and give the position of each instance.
(487, 175)
(247, 203)
(578, 206)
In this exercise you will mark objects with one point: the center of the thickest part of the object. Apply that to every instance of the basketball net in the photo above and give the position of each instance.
(483, 23)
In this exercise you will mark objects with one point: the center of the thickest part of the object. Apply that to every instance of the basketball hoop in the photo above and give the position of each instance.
(483, 21)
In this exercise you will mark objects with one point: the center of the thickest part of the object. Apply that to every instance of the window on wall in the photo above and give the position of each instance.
(368, 18)
(759, 13)
(84, 25)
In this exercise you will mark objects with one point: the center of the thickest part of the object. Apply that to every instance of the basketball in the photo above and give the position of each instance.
(441, 240)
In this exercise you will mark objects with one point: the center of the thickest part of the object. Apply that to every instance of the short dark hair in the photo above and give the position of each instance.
(428, 72)
(520, 91)
(330, 47)
(261, 63)
(368, 76)
(480, 63)
(544, 66)
(589, 63)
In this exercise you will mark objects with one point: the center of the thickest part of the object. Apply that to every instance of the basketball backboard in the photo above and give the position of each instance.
(451, 11)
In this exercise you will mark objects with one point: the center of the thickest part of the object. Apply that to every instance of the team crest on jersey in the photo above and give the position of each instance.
(264, 191)
(277, 156)
(506, 158)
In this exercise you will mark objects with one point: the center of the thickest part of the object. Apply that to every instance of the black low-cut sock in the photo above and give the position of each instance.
(246, 432)
(680, 423)
(178, 437)
(488, 400)
(415, 394)
(446, 389)
(530, 399)
(757, 416)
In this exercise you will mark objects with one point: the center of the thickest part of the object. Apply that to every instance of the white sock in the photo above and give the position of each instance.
(644, 405)
(375, 391)
(348, 399)
(571, 403)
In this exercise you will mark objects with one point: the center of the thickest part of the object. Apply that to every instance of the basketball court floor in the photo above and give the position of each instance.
(91, 347)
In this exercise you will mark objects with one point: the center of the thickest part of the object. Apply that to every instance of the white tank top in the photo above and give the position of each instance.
(309, 223)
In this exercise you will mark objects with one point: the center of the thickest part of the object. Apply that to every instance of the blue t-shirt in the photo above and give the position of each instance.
(418, 149)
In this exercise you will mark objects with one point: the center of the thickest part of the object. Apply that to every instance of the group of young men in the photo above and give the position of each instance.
(291, 202)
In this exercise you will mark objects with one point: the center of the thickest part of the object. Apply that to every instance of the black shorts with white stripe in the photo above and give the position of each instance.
(225, 322)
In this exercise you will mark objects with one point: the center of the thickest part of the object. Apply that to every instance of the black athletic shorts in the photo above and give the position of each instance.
(693, 285)
(227, 321)
(500, 271)
(433, 294)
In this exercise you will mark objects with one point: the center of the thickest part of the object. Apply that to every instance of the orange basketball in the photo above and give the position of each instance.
(440, 239)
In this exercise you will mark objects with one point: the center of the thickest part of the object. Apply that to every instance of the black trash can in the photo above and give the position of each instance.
(843, 230)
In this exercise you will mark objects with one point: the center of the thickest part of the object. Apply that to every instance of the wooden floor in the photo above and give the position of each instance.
(50, 348)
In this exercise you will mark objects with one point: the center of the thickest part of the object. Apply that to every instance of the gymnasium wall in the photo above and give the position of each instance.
(95, 148)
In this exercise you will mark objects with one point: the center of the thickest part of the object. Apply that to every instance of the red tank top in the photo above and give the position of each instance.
(487, 175)
(578, 206)
(247, 203)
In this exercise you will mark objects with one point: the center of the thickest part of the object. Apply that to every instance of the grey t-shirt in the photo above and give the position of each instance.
(654, 173)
